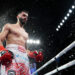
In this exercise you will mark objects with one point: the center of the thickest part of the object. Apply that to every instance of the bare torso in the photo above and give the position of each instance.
(17, 35)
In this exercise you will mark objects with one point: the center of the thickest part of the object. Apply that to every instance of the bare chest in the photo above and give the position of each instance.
(19, 32)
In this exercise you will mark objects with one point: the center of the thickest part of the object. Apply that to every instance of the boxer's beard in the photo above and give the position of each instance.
(22, 21)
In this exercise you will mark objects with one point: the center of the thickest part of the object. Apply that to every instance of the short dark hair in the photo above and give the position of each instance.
(22, 11)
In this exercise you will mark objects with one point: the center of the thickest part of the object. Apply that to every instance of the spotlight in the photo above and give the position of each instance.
(68, 14)
(61, 24)
(37, 41)
(57, 29)
(70, 11)
(73, 6)
(63, 21)
(34, 41)
(30, 41)
(65, 18)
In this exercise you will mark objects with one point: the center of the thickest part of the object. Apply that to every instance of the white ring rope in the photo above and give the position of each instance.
(71, 63)
(57, 56)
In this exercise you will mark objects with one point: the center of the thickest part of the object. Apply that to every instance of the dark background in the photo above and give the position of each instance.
(44, 17)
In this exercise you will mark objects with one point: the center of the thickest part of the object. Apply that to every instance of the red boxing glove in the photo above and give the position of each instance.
(39, 57)
(32, 54)
(5, 56)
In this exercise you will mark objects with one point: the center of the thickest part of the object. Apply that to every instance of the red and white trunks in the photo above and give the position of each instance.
(20, 63)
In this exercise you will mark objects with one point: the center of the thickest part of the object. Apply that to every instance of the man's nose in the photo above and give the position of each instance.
(25, 18)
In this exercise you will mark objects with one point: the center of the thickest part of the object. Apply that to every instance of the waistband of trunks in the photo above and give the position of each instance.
(16, 47)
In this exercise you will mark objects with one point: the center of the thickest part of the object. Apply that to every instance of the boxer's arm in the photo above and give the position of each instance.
(6, 56)
(4, 32)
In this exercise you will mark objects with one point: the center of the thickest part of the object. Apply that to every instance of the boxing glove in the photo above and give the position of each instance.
(6, 56)
(38, 56)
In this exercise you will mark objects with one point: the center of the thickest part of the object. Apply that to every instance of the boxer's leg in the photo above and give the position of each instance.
(19, 65)
(12, 69)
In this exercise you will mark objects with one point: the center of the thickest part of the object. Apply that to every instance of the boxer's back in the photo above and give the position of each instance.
(17, 35)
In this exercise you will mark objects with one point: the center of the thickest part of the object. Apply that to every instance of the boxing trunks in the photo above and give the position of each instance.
(20, 62)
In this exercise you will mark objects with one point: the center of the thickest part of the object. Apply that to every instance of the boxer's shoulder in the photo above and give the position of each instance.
(6, 26)
(9, 25)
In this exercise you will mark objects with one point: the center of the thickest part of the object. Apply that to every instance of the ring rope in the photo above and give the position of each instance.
(71, 63)
(57, 56)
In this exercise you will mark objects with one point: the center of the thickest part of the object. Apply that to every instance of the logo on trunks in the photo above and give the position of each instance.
(22, 57)
(20, 48)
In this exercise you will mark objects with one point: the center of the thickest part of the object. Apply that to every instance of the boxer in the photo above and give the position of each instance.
(14, 58)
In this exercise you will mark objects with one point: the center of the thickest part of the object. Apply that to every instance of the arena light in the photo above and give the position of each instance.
(70, 11)
(68, 14)
(28, 41)
(58, 26)
(31, 41)
(34, 41)
(57, 29)
(63, 21)
(37, 41)
(65, 18)
(73, 6)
